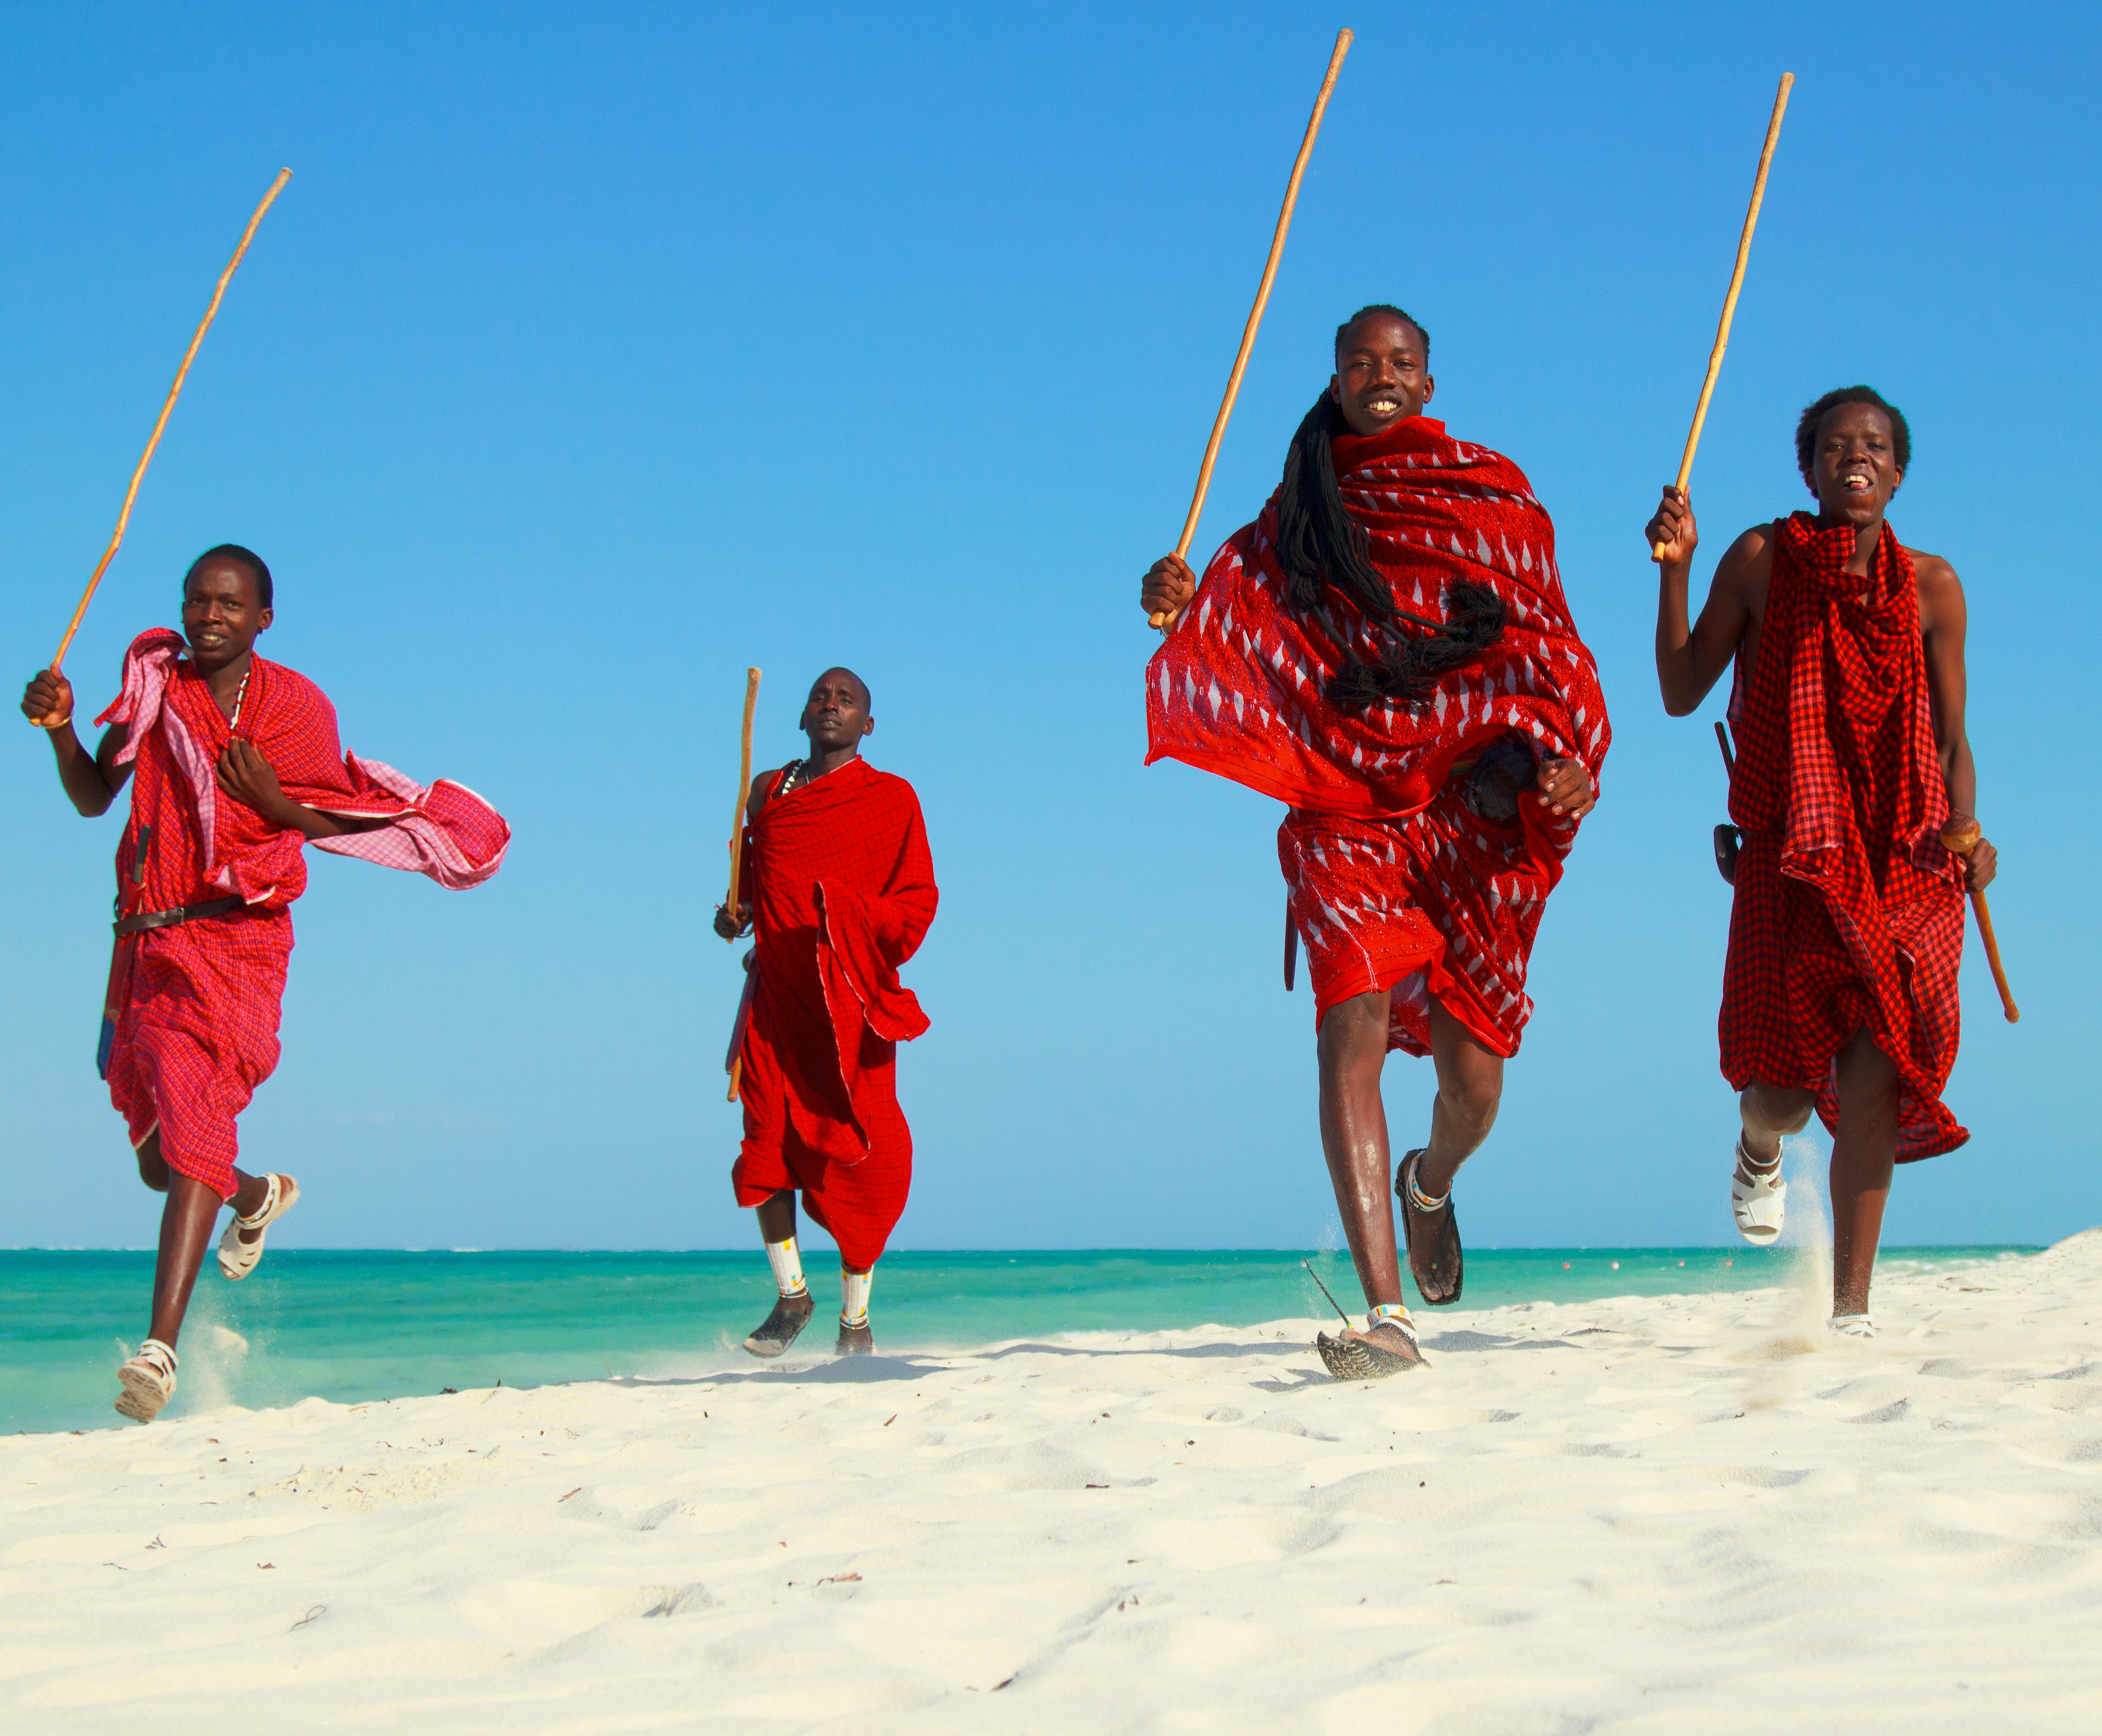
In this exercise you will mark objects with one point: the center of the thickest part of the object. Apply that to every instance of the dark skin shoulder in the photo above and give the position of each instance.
(755, 797)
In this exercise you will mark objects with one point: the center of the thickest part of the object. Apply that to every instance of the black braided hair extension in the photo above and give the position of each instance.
(1324, 550)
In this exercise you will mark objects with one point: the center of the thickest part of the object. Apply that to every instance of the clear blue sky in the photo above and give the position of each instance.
(597, 352)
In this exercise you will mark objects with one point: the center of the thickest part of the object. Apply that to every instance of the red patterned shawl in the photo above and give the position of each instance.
(1848, 913)
(446, 831)
(1236, 688)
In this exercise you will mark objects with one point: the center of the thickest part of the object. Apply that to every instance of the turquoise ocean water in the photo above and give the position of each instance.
(350, 1325)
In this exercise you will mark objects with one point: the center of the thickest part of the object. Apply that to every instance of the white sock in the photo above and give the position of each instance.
(854, 1297)
(787, 1265)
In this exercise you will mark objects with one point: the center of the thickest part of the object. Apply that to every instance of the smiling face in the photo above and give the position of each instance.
(1854, 467)
(836, 715)
(222, 614)
(1382, 373)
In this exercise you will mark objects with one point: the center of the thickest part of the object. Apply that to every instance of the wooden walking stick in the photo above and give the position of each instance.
(1730, 301)
(174, 391)
(737, 846)
(1961, 837)
(1165, 620)
(743, 791)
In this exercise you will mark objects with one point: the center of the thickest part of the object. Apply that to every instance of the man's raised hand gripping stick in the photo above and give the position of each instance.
(1730, 301)
(1165, 618)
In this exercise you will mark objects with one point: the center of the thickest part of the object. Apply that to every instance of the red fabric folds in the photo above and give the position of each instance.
(1848, 913)
(445, 832)
(842, 889)
(1393, 871)
(190, 1020)
(195, 1031)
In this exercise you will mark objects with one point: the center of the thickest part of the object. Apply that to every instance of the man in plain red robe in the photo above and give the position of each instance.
(238, 767)
(1388, 650)
(839, 891)
(1839, 993)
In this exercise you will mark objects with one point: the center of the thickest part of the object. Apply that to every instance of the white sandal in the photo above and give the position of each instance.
(237, 1258)
(1851, 1326)
(1757, 1197)
(148, 1380)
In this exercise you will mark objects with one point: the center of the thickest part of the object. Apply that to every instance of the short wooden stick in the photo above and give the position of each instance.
(1993, 958)
(1343, 39)
(1961, 837)
(737, 813)
(174, 391)
(1730, 301)
(1723, 741)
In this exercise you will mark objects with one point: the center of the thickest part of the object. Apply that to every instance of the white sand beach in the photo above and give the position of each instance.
(1647, 1515)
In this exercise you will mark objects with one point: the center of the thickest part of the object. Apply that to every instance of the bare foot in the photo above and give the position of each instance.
(856, 1340)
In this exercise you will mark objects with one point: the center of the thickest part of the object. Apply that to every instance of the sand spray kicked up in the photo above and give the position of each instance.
(215, 1356)
(1808, 1230)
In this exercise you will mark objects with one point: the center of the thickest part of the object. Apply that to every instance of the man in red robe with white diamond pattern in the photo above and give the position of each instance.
(1387, 649)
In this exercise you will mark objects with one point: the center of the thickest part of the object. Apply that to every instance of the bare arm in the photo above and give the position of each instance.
(1943, 620)
(244, 774)
(90, 782)
(1689, 657)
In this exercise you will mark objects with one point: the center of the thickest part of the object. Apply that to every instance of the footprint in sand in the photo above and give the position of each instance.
(537, 1612)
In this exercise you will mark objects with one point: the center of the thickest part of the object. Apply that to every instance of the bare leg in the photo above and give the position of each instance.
(1470, 1090)
(777, 1216)
(1771, 1113)
(187, 1222)
(1352, 1049)
(1471, 1086)
(1864, 1152)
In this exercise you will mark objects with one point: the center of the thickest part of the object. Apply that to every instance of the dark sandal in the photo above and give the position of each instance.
(1441, 1251)
(855, 1340)
(1364, 1359)
(778, 1330)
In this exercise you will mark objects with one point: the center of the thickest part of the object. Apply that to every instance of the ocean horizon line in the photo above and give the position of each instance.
(1049, 1248)
(351, 1324)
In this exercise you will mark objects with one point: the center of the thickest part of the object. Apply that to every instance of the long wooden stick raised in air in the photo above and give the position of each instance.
(1962, 837)
(1255, 313)
(737, 832)
(1730, 301)
(174, 391)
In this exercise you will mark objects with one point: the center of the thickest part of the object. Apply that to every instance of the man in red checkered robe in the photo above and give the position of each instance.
(234, 766)
(1839, 993)
(1387, 649)
(838, 888)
